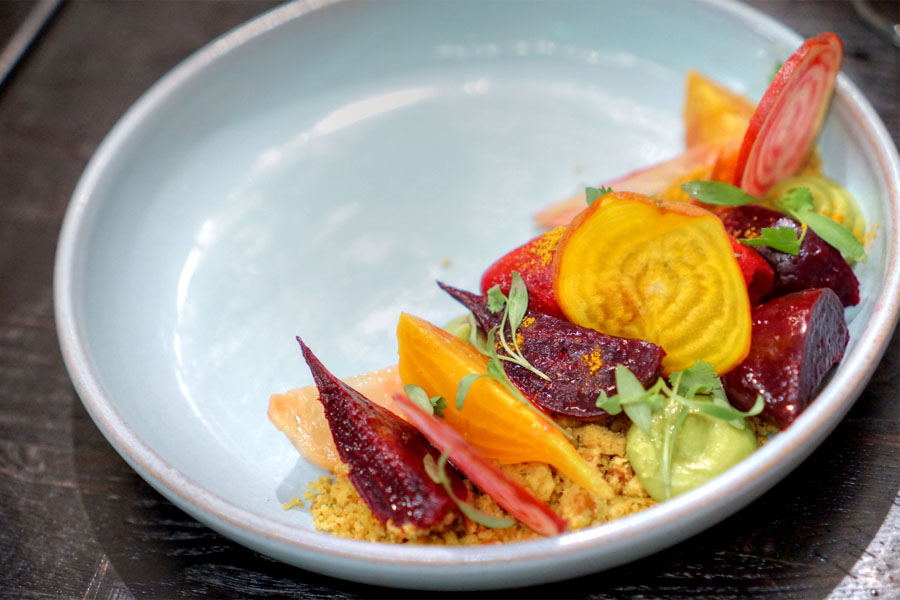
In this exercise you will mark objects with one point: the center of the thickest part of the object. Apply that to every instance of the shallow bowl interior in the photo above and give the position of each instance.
(316, 171)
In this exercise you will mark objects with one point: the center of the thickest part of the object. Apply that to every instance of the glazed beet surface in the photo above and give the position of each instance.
(817, 265)
(534, 262)
(580, 362)
(797, 339)
(385, 455)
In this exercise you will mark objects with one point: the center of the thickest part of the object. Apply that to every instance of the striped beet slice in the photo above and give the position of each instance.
(787, 120)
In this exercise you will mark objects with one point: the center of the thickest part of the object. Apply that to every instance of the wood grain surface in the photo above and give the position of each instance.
(77, 522)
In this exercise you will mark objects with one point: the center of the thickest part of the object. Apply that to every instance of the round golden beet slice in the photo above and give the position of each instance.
(639, 267)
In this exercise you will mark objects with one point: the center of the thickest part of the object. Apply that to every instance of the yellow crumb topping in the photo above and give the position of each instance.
(293, 503)
(337, 508)
(545, 246)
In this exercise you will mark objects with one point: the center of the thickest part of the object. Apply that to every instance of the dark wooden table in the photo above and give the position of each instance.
(77, 522)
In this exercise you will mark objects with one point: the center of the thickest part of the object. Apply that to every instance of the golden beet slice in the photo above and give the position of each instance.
(713, 113)
(638, 267)
(491, 419)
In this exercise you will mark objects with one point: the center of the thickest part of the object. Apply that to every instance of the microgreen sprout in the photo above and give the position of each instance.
(591, 194)
(432, 406)
(438, 473)
(514, 307)
(695, 390)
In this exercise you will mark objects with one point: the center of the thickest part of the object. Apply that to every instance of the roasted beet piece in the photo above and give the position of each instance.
(758, 275)
(580, 362)
(817, 265)
(797, 339)
(385, 455)
(534, 262)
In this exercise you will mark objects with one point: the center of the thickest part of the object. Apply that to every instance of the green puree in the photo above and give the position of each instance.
(683, 433)
(702, 448)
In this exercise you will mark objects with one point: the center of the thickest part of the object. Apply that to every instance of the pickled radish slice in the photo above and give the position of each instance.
(301, 417)
(781, 133)
(639, 267)
(491, 418)
(512, 497)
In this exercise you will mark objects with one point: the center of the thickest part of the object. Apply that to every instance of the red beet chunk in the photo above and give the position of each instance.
(797, 339)
(385, 455)
(580, 362)
(758, 275)
(534, 262)
(817, 265)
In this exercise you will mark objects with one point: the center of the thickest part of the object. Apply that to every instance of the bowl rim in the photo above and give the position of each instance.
(675, 519)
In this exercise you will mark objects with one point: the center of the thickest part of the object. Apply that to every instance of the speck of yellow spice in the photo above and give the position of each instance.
(594, 360)
(545, 246)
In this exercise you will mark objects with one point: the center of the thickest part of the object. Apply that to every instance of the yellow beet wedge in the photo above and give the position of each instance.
(638, 267)
(491, 419)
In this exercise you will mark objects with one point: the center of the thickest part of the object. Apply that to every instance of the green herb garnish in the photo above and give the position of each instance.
(718, 193)
(797, 203)
(697, 389)
(438, 474)
(432, 406)
(514, 308)
(783, 239)
(591, 194)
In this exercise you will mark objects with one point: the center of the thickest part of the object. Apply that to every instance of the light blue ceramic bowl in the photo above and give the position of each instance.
(316, 170)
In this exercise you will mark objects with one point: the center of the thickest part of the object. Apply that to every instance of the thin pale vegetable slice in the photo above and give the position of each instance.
(639, 267)
(512, 497)
(300, 416)
(436, 361)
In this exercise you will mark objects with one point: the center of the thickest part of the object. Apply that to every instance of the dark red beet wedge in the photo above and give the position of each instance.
(797, 339)
(385, 455)
(580, 362)
(817, 265)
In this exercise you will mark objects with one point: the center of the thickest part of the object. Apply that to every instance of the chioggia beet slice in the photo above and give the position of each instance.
(817, 264)
(580, 362)
(384, 455)
(797, 339)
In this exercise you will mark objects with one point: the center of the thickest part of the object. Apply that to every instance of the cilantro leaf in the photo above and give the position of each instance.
(796, 202)
(783, 239)
(715, 192)
(699, 377)
(591, 194)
